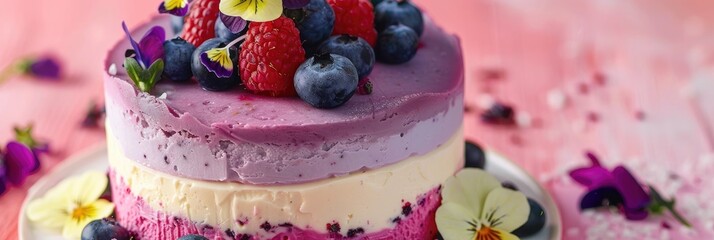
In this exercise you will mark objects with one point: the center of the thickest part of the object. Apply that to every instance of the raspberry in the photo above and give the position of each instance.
(200, 21)
(271, 53)
(354, 17)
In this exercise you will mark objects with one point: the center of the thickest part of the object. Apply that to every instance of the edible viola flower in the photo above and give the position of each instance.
(44, 67)
(72, 204)
(24, 135)
(475, 206)
(146, 66)
(18, 162)
(218, 60)
(253, 10)
(47, 67)
(612, 188)
(151, 46)
(175, 7)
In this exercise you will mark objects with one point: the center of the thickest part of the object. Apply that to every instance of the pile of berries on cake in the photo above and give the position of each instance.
(319, 50)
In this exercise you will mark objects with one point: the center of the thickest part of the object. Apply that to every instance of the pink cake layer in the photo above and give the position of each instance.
(241, 137)
(132, 212)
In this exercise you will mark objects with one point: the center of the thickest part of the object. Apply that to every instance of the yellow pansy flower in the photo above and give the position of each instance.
(72, 204)
(253, 10)
(476, 207)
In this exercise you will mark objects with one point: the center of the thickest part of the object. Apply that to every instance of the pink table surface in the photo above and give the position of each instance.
(654, 113)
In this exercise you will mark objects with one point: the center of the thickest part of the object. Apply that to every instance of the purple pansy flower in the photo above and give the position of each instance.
(612, 188)
(175, 7)
(295, 4)
(151, 46)
(18, 162)
(45, 67)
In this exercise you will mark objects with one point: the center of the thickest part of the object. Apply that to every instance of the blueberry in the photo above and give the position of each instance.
(475, 157)
(176, 24)
(397, 44)
(499, 113)
(354, 48)
(223, 32)
(192, 237)
(536, 220)
(393, 12)
(315, 22)
(177, 59)
(104, 229)
(326, 80)
(208, 80)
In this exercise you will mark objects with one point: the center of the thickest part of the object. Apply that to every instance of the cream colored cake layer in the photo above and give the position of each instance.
(369, 199)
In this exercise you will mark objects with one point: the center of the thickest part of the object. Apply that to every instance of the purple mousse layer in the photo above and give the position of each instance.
(241, 137)
(417, 221)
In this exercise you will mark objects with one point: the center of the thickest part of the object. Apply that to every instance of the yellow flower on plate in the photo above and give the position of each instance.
(476, 207)
(72, 204)
(253, 10)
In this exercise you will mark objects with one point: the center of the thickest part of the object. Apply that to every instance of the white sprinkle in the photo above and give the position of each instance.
(163, 96)
(556, 99)
(485, 101)
(523, 119)
(112, 69)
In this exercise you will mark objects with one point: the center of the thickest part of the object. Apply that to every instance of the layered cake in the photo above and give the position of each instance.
(242, 164)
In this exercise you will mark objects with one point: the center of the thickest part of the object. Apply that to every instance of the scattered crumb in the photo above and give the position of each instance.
(640, 115)
(163, 96)
(492, 73)
(112, 69)
(593, 117)
(599, 78)
(583, 88)
(556, 99)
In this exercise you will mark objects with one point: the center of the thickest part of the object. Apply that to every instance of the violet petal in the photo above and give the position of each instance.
(181, 11)
(46, 67)
(152, 45)
(593, 177)
(295, 4)
(598, 197)
(235, 24)
(19, 162)
(133, 42)
(633, 194)
(635, 214)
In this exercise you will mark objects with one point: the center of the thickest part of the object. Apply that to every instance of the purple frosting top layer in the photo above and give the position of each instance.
(241, 137)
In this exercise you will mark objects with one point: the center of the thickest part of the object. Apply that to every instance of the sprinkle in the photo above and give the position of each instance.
(492, 74)
(523, 119)
(640, 115)
(485, 101)
(113, 69)
(556, 99)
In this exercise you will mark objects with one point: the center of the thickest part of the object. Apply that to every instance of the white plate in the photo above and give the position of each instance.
(96, 159)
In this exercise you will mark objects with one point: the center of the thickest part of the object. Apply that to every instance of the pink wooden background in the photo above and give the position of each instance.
(654, 112)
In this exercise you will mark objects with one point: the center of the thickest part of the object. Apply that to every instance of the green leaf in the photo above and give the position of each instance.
(659, 203)
(134, 70)
(144, 79)
(154, 72)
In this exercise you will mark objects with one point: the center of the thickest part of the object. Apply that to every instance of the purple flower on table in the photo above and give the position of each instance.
(45, 67)
(151, 46)
(175, 7)
(612, 188)
(18, 162)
